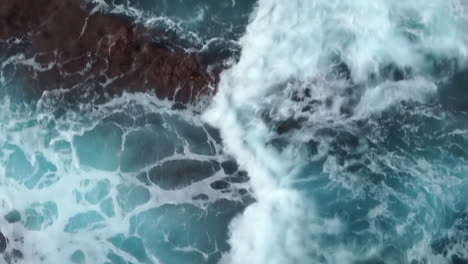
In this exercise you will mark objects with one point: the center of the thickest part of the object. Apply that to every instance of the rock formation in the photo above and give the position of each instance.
(65, 44)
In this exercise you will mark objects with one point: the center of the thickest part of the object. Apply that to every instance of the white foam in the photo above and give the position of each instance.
(386, 94)
(295, 41)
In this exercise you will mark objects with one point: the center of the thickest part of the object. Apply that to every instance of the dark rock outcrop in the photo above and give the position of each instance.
(177, 174)
(66, 44)
(3, 243)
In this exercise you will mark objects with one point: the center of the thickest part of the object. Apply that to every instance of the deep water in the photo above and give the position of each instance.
(338, 135)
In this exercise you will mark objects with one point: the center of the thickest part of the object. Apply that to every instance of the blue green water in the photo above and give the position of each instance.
(125, 182)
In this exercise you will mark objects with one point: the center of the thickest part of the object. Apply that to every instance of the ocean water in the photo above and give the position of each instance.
(338, 135)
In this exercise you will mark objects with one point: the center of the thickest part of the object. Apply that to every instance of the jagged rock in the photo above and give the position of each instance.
(64, 44)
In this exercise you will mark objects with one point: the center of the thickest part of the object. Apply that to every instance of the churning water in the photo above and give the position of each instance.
(335, 137)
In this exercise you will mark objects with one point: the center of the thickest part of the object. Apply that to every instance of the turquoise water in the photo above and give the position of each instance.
(125, 182)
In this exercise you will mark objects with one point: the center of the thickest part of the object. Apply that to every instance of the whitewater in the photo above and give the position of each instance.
(337, 135)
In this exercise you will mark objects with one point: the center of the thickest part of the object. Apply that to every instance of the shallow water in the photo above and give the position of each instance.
(127, 181)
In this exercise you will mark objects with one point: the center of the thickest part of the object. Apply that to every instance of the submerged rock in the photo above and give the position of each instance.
(3, 243)
(177, 174)
(66, 44)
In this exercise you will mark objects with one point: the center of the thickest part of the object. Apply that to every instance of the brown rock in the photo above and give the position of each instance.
(65, 45)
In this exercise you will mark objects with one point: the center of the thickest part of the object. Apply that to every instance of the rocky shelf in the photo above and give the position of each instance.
(68, 45)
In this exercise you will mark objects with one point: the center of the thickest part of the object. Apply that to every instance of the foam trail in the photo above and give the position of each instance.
(81, 191)
(301, 44)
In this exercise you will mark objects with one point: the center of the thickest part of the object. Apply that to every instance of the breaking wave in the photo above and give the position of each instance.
(333, 109)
